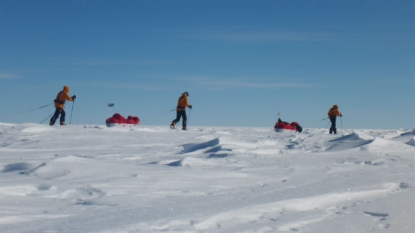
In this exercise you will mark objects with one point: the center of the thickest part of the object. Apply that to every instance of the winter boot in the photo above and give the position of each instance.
(184, 128)
(172, 125)
(63, 123)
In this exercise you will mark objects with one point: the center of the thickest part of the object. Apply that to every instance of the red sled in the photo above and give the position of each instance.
(120, 121)
(282, 126)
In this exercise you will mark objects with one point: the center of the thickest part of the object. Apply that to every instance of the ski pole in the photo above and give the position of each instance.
(25, 111)
(73, 104)
(188, 119)
(327, 125)
(46, 118)
(341, 121)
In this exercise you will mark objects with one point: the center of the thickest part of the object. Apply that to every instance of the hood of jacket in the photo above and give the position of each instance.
(66, 89)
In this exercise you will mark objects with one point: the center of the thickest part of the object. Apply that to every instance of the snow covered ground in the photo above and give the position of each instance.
(209, 179)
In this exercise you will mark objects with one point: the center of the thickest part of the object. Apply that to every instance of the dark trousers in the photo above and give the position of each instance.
(333, 125)
(179, 115)
(56, 115)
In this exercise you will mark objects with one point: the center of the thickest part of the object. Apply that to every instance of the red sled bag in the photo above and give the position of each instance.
(118, 120)
(133, 120)
(285, 126)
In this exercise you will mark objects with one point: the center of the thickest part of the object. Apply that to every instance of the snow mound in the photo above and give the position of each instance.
(350, 141)
(386, 146)
(411, 142)
(211, 149)
(51, 172)
(192, 147)
(407, 138)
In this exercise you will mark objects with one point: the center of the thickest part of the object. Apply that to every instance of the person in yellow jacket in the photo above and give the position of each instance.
(333, 114)
(60, 101)
(182, 103)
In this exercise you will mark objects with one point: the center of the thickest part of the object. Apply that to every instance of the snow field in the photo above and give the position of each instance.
(154, 179)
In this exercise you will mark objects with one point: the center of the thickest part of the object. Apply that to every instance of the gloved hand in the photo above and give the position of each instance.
(73, 97)
(190, 106)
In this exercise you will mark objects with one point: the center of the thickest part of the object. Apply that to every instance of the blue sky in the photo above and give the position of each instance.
(242, 62)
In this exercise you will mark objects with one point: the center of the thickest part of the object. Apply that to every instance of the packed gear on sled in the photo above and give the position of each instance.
(333, 114)
(118, 120)
(285, 126)
(182, 103)
(60, 101)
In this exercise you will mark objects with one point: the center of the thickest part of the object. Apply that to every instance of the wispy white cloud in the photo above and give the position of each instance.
(204, 82)
(251, 83)
(303, 36)
(4, 76)
(271, 37)
(106, 62)
(132, 86)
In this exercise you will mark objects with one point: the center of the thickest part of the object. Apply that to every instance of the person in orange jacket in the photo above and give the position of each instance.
(60, 101)
(333, 114)
(183, 102)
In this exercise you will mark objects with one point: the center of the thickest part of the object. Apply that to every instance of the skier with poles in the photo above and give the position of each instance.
(333, 114)
(60, 101)
(183, 102)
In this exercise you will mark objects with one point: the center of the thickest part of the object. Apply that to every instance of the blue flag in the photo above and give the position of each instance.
(111, 105)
